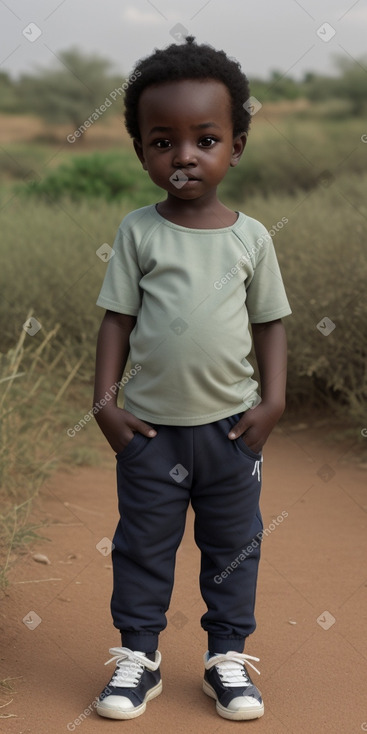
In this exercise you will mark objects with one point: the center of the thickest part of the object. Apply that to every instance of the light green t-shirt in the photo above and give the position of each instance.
(194, 292)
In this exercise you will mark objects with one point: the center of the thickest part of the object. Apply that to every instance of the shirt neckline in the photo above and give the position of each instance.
(181, 228)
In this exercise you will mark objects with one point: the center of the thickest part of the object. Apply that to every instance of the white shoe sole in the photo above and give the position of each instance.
(244, 714)
(115, 713)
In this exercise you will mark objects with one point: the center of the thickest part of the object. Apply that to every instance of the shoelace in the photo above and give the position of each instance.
(230, 667)
(130, 666)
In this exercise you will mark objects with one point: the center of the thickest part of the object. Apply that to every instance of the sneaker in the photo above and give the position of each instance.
(135, 681)
(227, 680)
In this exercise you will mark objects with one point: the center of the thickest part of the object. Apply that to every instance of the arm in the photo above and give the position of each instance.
(112, 352)
(271, 354)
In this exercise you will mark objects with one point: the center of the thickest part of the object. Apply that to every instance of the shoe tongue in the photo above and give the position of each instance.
(149, 655)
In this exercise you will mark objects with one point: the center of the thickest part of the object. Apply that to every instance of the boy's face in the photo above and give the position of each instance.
(187, 126)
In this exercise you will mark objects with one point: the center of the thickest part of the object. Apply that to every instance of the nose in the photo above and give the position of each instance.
(184, 155)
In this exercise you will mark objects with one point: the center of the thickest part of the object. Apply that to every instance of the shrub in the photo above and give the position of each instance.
(102, 175)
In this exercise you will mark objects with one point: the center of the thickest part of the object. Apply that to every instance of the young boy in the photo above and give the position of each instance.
(187, 277)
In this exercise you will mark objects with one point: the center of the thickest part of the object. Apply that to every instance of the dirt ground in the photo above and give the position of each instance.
(109, 131)
(28, 128)
(56, 627)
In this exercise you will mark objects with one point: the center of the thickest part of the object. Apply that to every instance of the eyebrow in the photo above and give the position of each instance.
(201, 126)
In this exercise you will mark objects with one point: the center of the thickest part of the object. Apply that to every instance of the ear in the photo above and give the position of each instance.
(239, 144)
(139, 152)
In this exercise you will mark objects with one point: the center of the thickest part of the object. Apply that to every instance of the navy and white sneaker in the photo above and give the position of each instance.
(135, 681)
(227, 680)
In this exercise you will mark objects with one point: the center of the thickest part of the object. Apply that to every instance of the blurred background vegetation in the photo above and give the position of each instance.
(306, 160)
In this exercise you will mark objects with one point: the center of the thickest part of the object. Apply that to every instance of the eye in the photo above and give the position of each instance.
(161, 144)
(208, 141)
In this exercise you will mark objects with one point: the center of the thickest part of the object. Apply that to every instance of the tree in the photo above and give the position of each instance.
(71, 91)
(283, 86)
(352, 84)
(320, 88)
(8, 93)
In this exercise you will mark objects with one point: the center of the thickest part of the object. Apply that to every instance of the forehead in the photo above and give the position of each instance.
(188, 101)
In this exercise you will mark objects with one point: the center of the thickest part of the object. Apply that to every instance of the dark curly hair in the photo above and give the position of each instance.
(188, 61)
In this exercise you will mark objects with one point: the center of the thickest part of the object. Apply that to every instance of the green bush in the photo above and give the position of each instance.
(110, 176)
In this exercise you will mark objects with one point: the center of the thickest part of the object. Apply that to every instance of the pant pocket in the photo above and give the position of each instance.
(132, 447)
(246, 449)
(241, 443)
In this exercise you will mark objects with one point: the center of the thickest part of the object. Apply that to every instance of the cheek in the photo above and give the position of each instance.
(157, 162)
(219, 163)
(157, 171)
(222, 156)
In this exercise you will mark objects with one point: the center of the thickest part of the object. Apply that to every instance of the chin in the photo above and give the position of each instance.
(186, 194)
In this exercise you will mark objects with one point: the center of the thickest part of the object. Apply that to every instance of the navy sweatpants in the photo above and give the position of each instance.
(156, 479)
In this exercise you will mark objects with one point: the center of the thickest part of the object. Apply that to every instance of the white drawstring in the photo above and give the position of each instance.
(258, 463)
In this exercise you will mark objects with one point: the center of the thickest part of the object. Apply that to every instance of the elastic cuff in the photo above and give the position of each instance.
(136, 641)
(224, 644)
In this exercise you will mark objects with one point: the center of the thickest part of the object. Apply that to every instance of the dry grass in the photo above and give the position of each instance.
(30, 389)
(27, 128)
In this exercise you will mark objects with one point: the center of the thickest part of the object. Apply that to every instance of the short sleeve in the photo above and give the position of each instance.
(266, 296)
(120, 289)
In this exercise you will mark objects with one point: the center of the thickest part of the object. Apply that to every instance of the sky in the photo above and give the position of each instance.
(291, 36)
